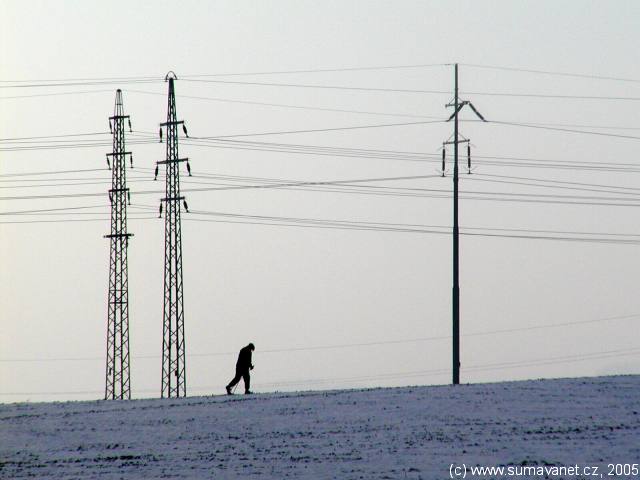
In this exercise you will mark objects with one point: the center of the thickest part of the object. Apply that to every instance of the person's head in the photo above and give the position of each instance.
(252, 346)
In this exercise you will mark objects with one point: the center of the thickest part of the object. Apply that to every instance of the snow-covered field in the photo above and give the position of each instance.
(392, 433)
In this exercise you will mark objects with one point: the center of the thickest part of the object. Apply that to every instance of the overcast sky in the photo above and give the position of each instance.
(326, 307)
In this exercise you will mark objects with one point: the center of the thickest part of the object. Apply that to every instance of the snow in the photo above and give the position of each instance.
(390, 433)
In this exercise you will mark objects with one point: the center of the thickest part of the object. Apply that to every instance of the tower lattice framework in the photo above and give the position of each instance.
(118, 381)
(173, 344)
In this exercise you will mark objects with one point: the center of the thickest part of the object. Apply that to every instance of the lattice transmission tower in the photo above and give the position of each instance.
(174, 382)
(118, 381)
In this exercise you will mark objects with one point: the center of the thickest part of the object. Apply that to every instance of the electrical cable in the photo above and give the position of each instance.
(282, 105)
(419, 373)
(408, 90)
(340, 346)
(554, 73)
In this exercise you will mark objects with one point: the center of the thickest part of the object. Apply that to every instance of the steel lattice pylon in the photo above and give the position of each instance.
(118, 381)
(174, 382)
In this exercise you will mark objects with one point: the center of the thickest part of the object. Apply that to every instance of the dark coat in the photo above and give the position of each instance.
(244, 359)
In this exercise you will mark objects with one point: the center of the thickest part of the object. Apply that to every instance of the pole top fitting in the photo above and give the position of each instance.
(170, 76)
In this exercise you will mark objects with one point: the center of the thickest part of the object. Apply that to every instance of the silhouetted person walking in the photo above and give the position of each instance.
(243, 365)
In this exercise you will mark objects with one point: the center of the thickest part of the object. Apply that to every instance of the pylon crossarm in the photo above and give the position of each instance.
(172, 160)
(112, 154)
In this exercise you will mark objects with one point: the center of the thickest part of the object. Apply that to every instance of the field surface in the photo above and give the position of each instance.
(391, 433)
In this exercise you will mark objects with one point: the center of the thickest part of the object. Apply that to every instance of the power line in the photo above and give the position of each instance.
(419, 373)
(68, 220)
(49, 210)
(433, 193)
(366, 112)
(329, 70)
(381, 227)
(548, 72)
(401, 191)
(99, 143)
(409, 156)
(81, 83)
(554, 187)
(329, 87)
(272, 72)
(77, 92)
(317, 70)
(54, 136)
(297, 107)
(55, 146)
(147, 140)
(343, 345)
(561, 182)
(568, 130)
(421, 91)
(571, 125)
(82, 79)
(351, 224)
(73, 184)
(421, 156)
(551, 96)
(51, 172)
(555, 360)
(315, 130)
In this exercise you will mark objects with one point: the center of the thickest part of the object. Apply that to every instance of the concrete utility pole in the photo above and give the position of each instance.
(457, 106)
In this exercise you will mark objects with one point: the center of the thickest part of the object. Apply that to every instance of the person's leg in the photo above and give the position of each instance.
(235, 380)
(247, 381)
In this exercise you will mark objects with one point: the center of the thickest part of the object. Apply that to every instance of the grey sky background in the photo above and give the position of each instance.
(290, 288)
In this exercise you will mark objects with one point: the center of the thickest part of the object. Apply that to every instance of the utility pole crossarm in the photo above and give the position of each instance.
(455, 113)
(451, 142)
(460, 106)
